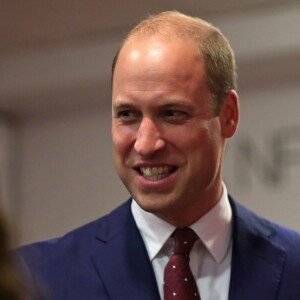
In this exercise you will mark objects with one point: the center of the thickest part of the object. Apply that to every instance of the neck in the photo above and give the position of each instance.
(186, 216)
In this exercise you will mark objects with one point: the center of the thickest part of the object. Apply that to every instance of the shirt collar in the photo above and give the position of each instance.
(155, 231)
(214, 228)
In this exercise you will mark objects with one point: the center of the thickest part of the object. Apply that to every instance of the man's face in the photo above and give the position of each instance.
(167, 141)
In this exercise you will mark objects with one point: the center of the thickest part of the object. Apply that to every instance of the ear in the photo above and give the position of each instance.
(229, 114)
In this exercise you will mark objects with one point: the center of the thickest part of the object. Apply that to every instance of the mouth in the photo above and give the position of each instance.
(156, 173)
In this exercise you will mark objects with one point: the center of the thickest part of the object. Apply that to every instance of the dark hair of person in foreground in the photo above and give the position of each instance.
(10, 283)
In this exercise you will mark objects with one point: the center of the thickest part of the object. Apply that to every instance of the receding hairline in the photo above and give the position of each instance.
(212, 46)
(169, 25)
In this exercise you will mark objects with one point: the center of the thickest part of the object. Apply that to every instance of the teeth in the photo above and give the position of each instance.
(156, 173)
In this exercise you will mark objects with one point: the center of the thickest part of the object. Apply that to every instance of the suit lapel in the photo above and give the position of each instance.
(257, 262)
(122, 262)
(121, 259)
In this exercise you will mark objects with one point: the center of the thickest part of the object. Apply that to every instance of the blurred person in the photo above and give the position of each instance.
(10, 281)
(174, 106)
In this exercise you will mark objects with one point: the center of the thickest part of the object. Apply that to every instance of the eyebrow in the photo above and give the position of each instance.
(122, 105)
(175, 104)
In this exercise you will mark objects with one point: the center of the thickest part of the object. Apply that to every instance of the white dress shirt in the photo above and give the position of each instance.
(210, 258)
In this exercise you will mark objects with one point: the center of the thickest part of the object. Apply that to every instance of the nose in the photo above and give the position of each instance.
(148, 139)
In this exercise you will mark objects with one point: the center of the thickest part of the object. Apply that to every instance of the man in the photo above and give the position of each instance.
(174, 105)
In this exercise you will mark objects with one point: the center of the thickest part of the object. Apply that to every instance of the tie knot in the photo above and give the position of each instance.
(184, 240)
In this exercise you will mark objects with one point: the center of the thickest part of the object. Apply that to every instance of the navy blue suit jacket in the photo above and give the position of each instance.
(107, 260)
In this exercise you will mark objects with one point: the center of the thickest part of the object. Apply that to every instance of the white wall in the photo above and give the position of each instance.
(67, 173)
(263, 159)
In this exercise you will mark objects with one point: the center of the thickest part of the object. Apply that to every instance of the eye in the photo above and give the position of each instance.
(127, 115)
(175, 116)
(124, 114)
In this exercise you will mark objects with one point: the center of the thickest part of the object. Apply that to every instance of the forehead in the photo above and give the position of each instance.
(159, 71)
(155, 55)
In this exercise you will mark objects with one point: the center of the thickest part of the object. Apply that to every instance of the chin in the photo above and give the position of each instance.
(153, 205)
(149, 206)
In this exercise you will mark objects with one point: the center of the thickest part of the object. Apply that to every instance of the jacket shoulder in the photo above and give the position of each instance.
(60, 262)
(257, 226)
(80, 237)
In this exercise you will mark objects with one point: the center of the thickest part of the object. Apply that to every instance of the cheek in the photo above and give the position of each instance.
(121, 141)
(200, 144)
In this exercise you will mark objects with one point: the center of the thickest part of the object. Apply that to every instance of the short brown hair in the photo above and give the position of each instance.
(215, 49)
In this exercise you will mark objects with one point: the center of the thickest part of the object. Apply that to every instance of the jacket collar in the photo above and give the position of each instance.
(121, 259)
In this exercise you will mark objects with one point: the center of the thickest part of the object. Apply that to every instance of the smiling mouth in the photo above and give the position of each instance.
(156, 173)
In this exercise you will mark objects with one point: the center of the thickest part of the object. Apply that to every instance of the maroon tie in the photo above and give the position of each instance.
(179, 282)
